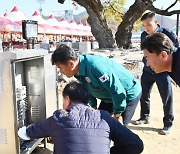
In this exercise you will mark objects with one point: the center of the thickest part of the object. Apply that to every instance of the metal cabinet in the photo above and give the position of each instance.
(28, 94)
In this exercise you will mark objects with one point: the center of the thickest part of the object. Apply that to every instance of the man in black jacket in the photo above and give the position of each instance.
(149, 77)
(162, 56)
(81, 129)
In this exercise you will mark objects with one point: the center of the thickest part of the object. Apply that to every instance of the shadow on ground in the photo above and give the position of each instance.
(143, 128)
(42, 150)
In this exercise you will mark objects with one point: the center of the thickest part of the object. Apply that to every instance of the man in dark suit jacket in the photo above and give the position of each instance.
(162, 56)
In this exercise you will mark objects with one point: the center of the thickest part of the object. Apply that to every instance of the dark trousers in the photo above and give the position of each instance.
(163, 82)
(129, 111)
(126, 149)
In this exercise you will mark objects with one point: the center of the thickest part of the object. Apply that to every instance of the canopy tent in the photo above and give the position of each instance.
(7, 26)
(61, 29)
(43, 26)
(88, 29)
(87, 26)
(49, 26)
(52, 21)
(76, 29)
(16, 16)
(80, 26)
(84, 29)
(5, 14)
(65, 24)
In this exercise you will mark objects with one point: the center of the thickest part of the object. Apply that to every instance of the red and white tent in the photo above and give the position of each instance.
(16, 16)
(43, 26)
(52, 21)
(76, 29)
(61, 29)
(87, 26)
(5, 14)
(65, 24)
(88, 29)
(7, 26)
(83, 28)
(38, 18)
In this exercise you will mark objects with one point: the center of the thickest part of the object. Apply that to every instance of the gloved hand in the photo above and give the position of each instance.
(22, 133)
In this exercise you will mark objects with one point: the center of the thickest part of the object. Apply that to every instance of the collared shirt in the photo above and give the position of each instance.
(107, 80)
(175, 74)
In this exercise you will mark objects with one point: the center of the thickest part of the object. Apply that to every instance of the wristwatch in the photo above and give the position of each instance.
(117, 115)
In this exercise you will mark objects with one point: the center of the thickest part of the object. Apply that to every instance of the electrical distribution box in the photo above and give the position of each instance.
(28, 94)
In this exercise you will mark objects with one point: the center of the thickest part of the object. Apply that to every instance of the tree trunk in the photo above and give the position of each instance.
(97, 21)
(123, 34)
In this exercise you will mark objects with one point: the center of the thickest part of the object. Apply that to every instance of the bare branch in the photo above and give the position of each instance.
(109, 3)
(116, 10)
(164, 12)
(172, 5)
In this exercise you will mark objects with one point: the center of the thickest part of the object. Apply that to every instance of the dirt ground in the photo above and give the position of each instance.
(154, 143)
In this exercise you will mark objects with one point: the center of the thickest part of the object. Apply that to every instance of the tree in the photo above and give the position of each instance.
(113, 12)
(125, 28)
(103, 34)
(97, 21)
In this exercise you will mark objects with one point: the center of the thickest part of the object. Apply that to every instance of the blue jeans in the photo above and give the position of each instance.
(163, 82)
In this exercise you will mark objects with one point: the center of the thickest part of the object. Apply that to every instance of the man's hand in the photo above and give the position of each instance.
(95, 107)
(118, 117)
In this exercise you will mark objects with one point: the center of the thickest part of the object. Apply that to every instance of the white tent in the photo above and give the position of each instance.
(16, 15)
(52, 21)
(43, 26)
(7, 26)
(5, 14)
(76, 29)
(83, 28)
(88, 28)
(65, 24)
(61, 29)
(38, 18)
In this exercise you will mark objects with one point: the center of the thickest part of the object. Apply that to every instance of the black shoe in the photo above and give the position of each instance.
(166, 130)
(141, 121)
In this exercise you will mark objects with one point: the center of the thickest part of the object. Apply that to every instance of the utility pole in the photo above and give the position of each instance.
(40, 6)
(177, 25)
